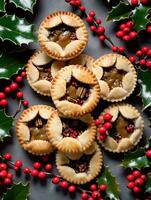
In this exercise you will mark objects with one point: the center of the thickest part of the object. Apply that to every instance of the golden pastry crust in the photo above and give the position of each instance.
(35, 146)
(94, 165)
(41, 84)
(53, 49)
(70, 144)
(59, 88)
(127, 143)
(128, 82)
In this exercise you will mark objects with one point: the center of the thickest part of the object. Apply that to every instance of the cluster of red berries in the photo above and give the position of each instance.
(137, 2)
(126, 31)
(13, 87)
(6, 177)
(136, 181)
(104, 124)
(143, 57)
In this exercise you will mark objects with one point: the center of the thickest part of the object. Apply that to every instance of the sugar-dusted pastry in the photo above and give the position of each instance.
(41, 69)
(75, 91)
(63, 35)
(117, 77)
(31, 130)
(125, 129)
(80, 168)
(71, 135)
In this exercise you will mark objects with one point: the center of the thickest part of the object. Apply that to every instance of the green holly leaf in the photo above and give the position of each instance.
(141, 13)
(145, 84)
(19, 191)
(16, 30)
(106, 178)
(2, 5)
(25, 4)
(119, 12)
(148, 184)
(6, 123)
(10, 64)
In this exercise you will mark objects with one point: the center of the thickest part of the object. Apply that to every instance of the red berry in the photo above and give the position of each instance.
(16, 168)
(121, 49)
(132, 59)
(102, 37)
(7, 156)
(148, 64)
(119, 34)
(142, 62)
(3, 102)
(102, 137)
(13, 86)
(134, 2)
(130, 24)
(3, 174)
(130, 177)
(149, 52)
(139, 182)
(102, 130)
(96, 194)
(56, 180)
(34, 172)
(25, 103)
(7, 181)
(64, 184)
(41, 175)
(90, 198)
(27, 170)
(23, 74)
(122, 26)
(19, 79)
(84, 196)
(139, 53)
(114, 48)
(144, 49)
(89, 19)
(37, 165)
(71, 188)
(93, 187)
(98, 21)
(18, 163)
(126, 30)
(91, 13)
(7, 89)
(148, 153)
(45, 158)
(136, 189)
(48, 167)
(97, 122)
(2, 95)
(103, 187)
(143, 177)
(9, 175)
(148, 29)
(107, 116)
(82, 8)
(92, 28)
(133, 34)
(100, 30)
(126, 38)
(107, 125)
(130, 185)
(136, 174)
(144, 2)
(19, 95)
(3, 166)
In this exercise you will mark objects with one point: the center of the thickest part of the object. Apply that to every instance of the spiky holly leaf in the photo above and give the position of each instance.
(109, 180)
(148, 184)
(141, 13)
(2, 5)
(145, 84)
(10, 64)
(19, 191)
(25, 4)
(16, 30)
(5, 125)
(119, 12)
(137, 159)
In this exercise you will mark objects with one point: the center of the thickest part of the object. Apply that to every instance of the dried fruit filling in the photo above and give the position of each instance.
(45, 71)
(113, 77)
(37, 128)
(77, 92)
(121, 128)
(73, 127)
(62, 34)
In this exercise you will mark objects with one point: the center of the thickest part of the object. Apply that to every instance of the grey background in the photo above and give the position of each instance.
(47, 190)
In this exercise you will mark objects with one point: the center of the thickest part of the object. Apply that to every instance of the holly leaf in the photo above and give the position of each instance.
(16, 30)
(144, 81)
(106, 178)
(19, 191)
(6, 123)
(25, 4)
(10, 64)
(2, 5)
(148, 184)
(119, 12)
(141, 13)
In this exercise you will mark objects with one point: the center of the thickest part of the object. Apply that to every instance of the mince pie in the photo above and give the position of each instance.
(63, 35)
(75, 91)
(71, 135)
(80, 168)
(31, 130)
(116, 75)
(126, 130)
(41, 69)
